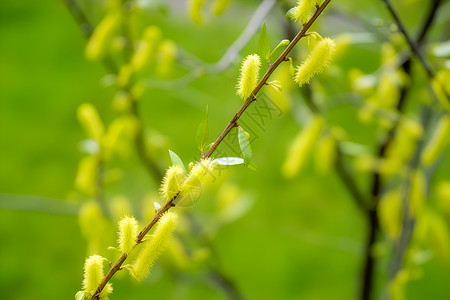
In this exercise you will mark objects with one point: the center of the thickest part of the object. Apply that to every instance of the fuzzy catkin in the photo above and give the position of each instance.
(200, 175)
(154, 246)
(317, 61)
(172, 182)
(249, 75)
(303, 10)
(93, 275)
(128, 231)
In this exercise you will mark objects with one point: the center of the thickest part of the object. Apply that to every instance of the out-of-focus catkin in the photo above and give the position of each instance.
(102, 35)
(90, 121)
(438, 141)
(249, 75)
(302, 146)
(154, 246)
(319, 58)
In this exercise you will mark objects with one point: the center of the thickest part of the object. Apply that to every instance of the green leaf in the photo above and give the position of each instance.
(203, 132)
(244, 144)
(228, 161)
(176, 160)
(80, 295)
(264, 43)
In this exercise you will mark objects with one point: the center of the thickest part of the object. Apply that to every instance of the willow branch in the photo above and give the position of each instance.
(117, 266)
(262, 82)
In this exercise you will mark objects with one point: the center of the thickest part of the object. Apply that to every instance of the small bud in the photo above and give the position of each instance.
(103, 34)
(249, 75)
(303, 10)
(128, 232)
(93, 276)
(172, 182)
(91, 122)
(201, 174)
(438, 141)
(154, 246)
(317, 61)
(302, 146)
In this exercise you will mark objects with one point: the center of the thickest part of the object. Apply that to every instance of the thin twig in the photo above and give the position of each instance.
(116, 267)
(415, 48)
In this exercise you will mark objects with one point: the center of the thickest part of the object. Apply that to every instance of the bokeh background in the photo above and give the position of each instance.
(299, 238)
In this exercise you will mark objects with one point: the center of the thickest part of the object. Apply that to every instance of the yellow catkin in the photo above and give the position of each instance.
(443, 197)
(167, 54)
(201, 174)
(432, 231)
(172, 182)
(388, 92)
(104, 32)
(440, 93)
(120, 135)
(195, 10)
(90, 120)
(418, 192)
(86, 179)
(317, 61)
(93, 225)
(220, 6)
(303, 10)
(302, 146)
(438, 141)
(397, 286)
(326, 154)
(124, 76)
(128, 232)
(249, 75)
(145, 51)
(389, 212)
(93, 275)
(154, 246)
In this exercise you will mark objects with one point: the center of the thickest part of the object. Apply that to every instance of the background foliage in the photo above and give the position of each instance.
(301, 239)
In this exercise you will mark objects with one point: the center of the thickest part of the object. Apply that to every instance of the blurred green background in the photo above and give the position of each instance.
(301, 239)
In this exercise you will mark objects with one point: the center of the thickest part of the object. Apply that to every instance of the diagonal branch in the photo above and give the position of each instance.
(117, 266)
